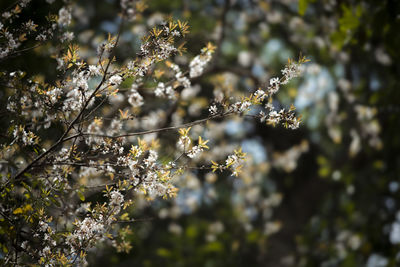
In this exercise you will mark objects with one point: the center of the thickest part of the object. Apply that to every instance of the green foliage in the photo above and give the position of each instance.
(303, 4)
(348, 24)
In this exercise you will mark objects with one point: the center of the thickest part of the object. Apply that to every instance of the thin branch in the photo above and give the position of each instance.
(135, 220)
(61, 139)
(185, 125)
(25, 49)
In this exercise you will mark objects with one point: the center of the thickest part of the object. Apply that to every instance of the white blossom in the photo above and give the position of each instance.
(116, 200)
(164, 91)
(274, 84)
(94, 70)
(183, 142)
(198, 64)
(213, 110)
(194, 152)
(135, 99)
(115, 80)
(64, 16)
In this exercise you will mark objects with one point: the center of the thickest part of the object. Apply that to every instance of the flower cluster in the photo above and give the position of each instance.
(135, 99)
(164, 91)
(198, 64)
(285, 117)
(184, 140)
(234, 163)
(158, 46)
(196, 150)
(184, 143)
(26, 137)
(179, 76)
(64, 17)
(13, 36)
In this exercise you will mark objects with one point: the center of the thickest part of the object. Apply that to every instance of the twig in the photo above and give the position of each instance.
(185, 125)
(61, 139)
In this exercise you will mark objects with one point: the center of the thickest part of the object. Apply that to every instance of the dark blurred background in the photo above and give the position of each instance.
(326, 194)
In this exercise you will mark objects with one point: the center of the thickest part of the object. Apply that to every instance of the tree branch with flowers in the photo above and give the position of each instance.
(77, 150)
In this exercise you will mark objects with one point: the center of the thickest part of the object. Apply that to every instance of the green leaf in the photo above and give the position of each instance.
(163, 252)
(17, 211)
(81, 195)
(191, 232)
(350, 19)
(214, 247)
(253, 236)
(303, 7)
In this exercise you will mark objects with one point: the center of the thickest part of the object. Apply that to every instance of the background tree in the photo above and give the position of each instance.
(325, 194)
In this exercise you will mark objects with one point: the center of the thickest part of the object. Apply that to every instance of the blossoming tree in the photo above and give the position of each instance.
(83, 142)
